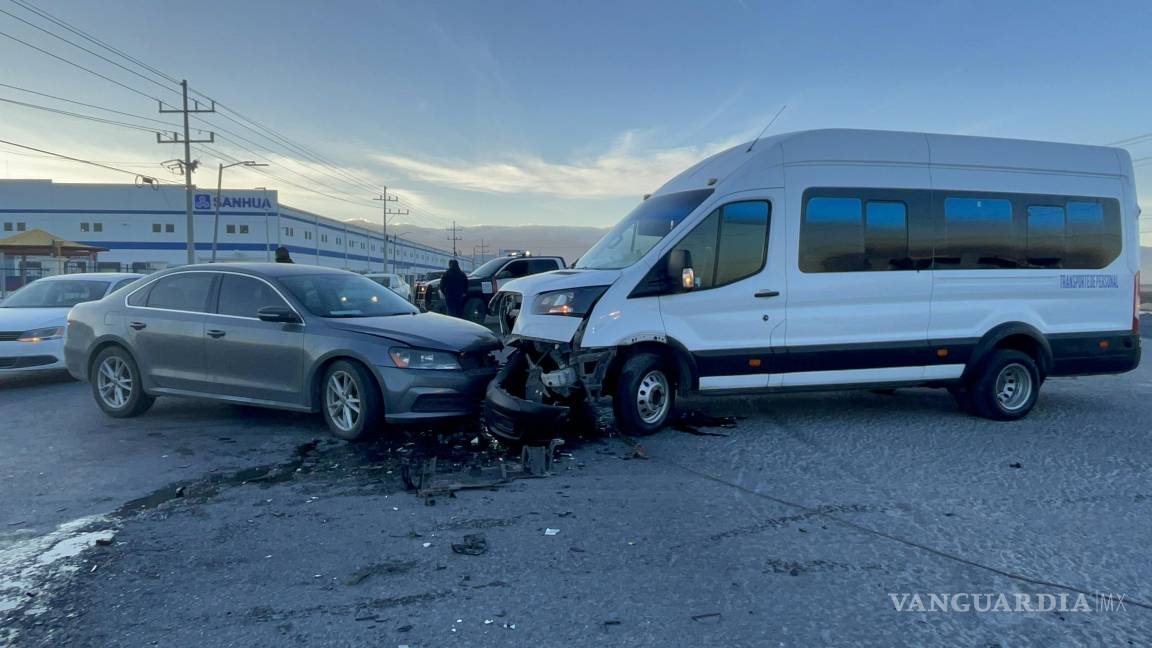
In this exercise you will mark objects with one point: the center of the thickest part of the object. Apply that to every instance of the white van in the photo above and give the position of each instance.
(835, 259)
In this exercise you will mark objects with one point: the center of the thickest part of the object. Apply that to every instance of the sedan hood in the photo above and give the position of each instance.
(26, 319)
(425, 330)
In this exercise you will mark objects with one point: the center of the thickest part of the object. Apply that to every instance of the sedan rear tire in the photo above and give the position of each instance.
(351, 401)
(117, 386)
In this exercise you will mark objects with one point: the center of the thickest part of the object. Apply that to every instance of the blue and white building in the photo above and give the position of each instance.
(145, 228)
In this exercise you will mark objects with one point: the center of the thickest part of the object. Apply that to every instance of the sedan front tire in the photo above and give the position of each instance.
(350, 400)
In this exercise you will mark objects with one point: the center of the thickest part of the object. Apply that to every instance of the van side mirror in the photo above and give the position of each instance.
(680, 270)
(281, 314)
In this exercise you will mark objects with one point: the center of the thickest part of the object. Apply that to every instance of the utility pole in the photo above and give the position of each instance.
(452, 237)
(188, 165)
(385, 198)
(219, 183)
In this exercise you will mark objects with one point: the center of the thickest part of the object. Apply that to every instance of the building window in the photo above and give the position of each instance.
(323, 238)
(307, 235)
(20, 227)
(83, 227)
(97, 227)
(169, 228)
(243, 229)
(7, 227)
(155, 228)
(231, 229)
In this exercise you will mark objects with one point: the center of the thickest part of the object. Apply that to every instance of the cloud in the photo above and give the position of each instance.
(625, 169)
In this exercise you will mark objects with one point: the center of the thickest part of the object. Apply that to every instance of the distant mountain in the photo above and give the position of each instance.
(561, 240)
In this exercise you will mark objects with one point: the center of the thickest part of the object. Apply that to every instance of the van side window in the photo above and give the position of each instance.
(1044, 247)
(978, 233)
(832, 235)
(1094, 238)
(743, 240)
(886, 236)
(701, 245)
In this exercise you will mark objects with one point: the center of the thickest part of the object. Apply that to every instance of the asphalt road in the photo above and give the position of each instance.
(798, 526)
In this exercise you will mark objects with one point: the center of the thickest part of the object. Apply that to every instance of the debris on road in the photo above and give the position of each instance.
(691, 421)
(474, 544)
(551, 532)
(709, 617)
(1016, 465)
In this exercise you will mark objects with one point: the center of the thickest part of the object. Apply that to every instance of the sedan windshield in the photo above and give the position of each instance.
(641, 230)
(63, 293)
(345, 295)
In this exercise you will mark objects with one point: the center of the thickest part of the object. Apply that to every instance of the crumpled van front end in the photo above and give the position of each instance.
(568, 326)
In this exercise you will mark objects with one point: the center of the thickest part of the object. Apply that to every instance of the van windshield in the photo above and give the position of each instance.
(641, 230)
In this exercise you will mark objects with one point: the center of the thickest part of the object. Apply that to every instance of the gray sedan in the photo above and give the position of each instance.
(293, 337)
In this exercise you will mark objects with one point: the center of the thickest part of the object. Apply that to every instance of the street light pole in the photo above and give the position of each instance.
(219, 182)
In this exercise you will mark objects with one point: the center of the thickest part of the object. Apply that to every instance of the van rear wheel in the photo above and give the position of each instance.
(645, 395)
(1005, 387)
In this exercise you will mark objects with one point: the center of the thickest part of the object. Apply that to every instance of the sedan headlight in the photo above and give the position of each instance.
(42, 334)
(574, 302)
(423, 359)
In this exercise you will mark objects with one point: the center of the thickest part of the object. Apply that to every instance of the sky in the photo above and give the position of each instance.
(561, 113)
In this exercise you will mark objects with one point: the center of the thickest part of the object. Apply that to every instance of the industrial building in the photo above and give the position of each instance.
(144, 228)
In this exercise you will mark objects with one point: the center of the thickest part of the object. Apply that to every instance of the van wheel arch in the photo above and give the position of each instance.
(674, 353)
(1015, 336)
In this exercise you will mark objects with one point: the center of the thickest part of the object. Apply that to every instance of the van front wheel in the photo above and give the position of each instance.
(1006, 386)
(645, 395)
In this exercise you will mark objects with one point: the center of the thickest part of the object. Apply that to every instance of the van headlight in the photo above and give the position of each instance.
(574, 302)
(423, 359)
(42, 334)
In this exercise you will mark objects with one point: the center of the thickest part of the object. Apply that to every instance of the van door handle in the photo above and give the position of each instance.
(767, 293)
(215, 333)
(138, 325)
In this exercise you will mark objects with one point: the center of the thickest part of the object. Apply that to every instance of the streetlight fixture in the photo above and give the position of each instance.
(219, 182)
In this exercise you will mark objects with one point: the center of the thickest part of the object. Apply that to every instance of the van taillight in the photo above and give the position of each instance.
(1136, 303)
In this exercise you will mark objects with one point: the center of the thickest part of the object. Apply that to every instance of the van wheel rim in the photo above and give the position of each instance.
(114, 381)
(342, 397)
(652, 397)
(1013, 387)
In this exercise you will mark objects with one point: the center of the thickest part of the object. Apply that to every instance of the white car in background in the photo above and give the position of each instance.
(33, 319)
(393, 282)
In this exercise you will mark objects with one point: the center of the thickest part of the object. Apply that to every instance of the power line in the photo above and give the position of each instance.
(92, 39)
(147, 179)
(330, 168)
(79, 115)
(88, 105)
(77, 65)
(81, 47)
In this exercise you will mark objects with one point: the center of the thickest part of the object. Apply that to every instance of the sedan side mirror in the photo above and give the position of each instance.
(281, 314)
(680, 269)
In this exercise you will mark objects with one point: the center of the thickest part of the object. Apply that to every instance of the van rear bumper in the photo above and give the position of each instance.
(1102, 353)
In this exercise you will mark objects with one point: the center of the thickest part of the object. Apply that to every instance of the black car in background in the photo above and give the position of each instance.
(484, 282)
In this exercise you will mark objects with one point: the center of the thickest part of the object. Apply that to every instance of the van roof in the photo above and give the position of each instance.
(842, 145)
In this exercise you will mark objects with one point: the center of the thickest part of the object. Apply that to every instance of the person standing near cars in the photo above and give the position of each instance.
(282, 255)
(454, 285)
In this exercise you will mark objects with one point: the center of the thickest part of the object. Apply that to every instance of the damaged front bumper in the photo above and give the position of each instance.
(533, 393)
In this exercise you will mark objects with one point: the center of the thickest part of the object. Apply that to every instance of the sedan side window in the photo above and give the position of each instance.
(186, 291)
(245, 296)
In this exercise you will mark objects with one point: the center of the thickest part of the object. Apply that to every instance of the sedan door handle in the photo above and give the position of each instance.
(767, 293)
(138, 325)
(215, 333)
